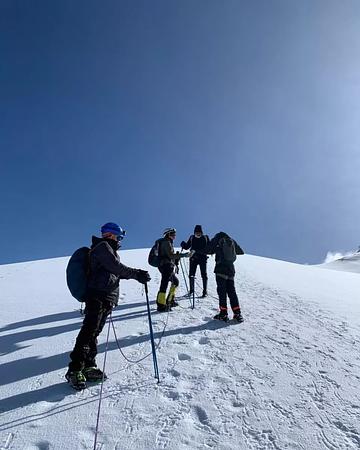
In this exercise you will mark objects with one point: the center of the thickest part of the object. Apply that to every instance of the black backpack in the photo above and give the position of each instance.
(77, 273)
(228, 250)
(154, 258)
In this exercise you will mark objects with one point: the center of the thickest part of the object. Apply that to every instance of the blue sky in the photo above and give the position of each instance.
(242, 116)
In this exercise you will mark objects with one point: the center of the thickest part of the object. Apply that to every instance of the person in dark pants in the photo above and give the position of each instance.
(197, 242)
(105, 272)
(168, 260)
(225, 249)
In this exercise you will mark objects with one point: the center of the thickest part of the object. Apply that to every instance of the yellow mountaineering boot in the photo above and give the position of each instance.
(171, 297)
(161, 302)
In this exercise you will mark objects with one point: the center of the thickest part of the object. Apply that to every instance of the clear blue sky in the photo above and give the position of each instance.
(242, 116)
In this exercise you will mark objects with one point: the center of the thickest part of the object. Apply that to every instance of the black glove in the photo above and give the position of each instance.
(183, 244)
(142, 276)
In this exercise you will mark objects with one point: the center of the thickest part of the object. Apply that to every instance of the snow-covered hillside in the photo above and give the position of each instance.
(347, 263)
(287, 378)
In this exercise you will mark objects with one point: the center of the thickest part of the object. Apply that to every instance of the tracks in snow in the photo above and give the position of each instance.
(286, 378)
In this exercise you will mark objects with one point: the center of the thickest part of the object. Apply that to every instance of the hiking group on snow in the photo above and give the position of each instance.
(93, 277)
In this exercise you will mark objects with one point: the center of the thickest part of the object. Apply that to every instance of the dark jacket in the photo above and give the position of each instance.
(167, 255)
(106, 270)
(222, 267)
(198, 245)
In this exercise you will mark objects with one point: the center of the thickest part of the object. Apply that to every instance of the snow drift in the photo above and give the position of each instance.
(349, 262)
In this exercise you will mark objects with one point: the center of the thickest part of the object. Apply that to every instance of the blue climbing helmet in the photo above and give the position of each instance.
(114, 228)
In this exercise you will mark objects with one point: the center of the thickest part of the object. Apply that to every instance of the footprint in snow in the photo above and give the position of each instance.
(201, 414)
(39, 446)
(174, 373)
(173, 395)
(45, 406)
(237, 404)
(184, 357)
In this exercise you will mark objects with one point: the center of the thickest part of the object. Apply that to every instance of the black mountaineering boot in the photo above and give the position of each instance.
(163, 308)
(238, 317)
(76, 379)
(222, 315)
(161, 303)
(94, 374)
(204, 294)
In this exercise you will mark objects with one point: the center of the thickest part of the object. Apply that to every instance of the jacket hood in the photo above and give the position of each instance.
(95, 241)
(220, 235)
(113, 244)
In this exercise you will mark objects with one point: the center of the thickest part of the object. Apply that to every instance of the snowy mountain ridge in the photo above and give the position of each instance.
(349, 262)
(287, 378)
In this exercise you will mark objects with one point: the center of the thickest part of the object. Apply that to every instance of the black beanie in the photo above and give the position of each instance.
(198, 229)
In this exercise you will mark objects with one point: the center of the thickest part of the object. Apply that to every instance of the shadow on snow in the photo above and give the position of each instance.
(34, 366)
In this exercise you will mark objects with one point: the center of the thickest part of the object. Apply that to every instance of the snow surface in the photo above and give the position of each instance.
(287, 378)
(347, 263)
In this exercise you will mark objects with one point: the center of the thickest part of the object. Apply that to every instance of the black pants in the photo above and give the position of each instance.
(167, 274)
(85, 350)
(194, 263)
(226, 287)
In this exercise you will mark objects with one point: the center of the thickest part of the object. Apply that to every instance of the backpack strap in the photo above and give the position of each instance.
(89, 258)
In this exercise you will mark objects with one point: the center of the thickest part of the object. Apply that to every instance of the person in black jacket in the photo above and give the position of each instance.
(225, 249)
(168, 259)
(105, 272)
(197, 242)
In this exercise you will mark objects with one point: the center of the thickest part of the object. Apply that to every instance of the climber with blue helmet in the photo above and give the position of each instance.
(104, 274)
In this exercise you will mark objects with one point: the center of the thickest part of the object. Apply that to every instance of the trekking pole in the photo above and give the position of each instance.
(193, 293)
(153, 349)
(102, 384)
(188, 291)
(183, 272)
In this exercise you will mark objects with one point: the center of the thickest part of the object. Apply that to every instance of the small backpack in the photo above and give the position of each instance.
(227, 246)
(77, 273)
(153, 258)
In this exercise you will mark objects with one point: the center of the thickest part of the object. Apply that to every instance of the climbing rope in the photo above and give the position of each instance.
(102, 384)
(131, 361)
(157, 345)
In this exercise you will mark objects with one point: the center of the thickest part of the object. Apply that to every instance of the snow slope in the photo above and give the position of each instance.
(287, 378)
(348, 263)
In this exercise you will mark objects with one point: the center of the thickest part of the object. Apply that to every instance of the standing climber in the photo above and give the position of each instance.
(102, 294)
(197, 243)
(225, 249)
(167, 261)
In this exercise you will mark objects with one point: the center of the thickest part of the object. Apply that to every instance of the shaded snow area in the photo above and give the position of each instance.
(287, 378)
(349, 263)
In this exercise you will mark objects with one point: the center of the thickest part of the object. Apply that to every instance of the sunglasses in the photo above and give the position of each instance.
(121, 236)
